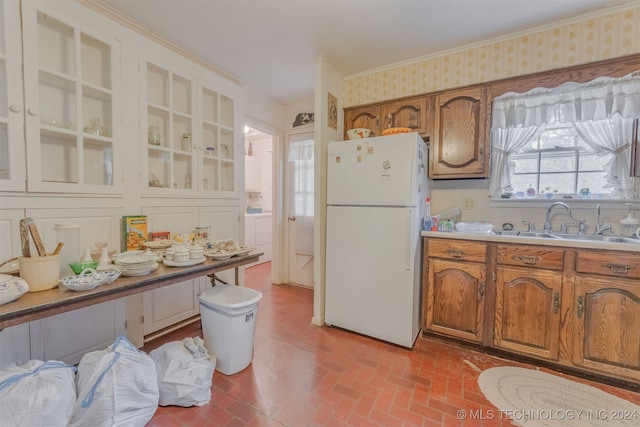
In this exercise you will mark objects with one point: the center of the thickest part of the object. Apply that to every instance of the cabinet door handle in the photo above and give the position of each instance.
(292, 218)
(618, 268)
(32, 112)
(580, 307)
(527, 259)
(556, 302)
(456, 253)
(15, 108)
(481, 292)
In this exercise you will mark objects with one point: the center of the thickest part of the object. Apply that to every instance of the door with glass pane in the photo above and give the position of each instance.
(169, 151)
(216, 145)
(71, 86)
(12, 170)
(301, 216)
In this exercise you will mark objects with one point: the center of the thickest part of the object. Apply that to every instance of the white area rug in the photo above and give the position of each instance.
(533, 398)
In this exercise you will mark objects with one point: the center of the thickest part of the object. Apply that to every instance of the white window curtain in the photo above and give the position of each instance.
(302, 159)
(612, 136)
(601, 110)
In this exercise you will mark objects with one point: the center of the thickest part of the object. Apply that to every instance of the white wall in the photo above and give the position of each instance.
(328, 80)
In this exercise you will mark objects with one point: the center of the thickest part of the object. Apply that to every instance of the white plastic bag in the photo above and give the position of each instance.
(116, 386)
(185, 372)
(37, 393)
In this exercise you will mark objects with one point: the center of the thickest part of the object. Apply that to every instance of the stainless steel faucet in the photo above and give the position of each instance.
(600, 228)
(547, 222)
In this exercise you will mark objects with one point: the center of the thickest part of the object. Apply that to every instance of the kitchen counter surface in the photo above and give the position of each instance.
(262, 214)
(545, 241)
(37, 305)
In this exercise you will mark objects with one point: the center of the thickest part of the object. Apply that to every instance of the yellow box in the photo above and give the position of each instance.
(134, 232)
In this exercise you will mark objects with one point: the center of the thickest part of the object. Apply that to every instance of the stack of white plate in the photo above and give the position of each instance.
(136, 263)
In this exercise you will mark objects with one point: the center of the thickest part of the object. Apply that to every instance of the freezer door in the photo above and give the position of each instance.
(375, 171)
(372, 272)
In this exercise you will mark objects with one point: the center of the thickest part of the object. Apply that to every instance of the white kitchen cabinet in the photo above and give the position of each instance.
(169, 102)
(258, 234)
(176, 303)
(171, 304)
(12, 160)
(252, 174)
(72, 97)
(68, 336)
(189, 133)
(216, 143)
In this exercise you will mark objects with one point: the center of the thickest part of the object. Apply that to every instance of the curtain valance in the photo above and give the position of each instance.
(599, 99)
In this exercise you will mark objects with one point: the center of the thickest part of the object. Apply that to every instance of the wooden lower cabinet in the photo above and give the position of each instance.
(527, 311)
(528, 288)
(456, 285)
(577, 308)
(606, 319)
(455, 304)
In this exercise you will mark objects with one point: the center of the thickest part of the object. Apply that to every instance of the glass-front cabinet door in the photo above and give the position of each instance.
(169, 138)
(12, 166)
(218, 141)
(71, 78)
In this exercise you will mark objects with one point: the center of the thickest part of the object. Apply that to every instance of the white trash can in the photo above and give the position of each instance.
(228, 314)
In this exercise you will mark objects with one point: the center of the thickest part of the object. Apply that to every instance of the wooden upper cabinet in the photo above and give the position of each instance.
(367, 117)
(460, 143)
(407, 112)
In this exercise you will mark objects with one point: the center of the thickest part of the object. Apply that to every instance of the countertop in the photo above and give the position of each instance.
(36, 305)
(262, 214)
(565, 242)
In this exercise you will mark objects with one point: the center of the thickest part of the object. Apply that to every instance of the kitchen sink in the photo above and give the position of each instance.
(586, 237)
(599, 238)
(538, 234)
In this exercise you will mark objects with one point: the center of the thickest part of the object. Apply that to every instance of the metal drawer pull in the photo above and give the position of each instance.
(527, 259)
(618, 268)
(456, 253)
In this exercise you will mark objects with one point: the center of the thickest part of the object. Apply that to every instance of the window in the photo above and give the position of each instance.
(575, 140)
(557, 162)
(301, 166)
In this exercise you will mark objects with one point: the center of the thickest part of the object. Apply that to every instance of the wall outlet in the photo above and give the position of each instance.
(468, 204)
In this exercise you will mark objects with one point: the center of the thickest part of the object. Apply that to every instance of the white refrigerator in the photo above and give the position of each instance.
(376, 188)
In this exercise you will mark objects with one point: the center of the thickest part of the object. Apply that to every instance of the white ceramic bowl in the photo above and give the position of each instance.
(358, 133)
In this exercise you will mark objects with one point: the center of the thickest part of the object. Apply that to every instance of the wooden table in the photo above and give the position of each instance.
(36, 305)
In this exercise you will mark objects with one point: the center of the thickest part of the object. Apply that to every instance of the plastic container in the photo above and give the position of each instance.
(69, 234)
(426, 215)
(228, 315)
(41, 272)
(629, 225)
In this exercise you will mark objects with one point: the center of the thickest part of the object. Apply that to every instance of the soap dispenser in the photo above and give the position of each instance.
(629, 225)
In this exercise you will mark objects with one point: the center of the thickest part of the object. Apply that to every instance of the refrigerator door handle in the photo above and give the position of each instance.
(409, 240)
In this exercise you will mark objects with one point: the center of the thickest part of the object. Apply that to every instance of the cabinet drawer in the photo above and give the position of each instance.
(531, 256)
(457, 249)
(619, 264)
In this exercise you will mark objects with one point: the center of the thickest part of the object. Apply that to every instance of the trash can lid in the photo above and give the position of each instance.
(229, 296)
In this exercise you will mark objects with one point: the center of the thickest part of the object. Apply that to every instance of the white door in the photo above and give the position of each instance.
(301, 193)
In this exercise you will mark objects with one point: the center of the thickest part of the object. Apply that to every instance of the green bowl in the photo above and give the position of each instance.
(78, 266)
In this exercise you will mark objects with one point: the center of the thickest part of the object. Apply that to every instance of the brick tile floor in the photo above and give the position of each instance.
(304, 375)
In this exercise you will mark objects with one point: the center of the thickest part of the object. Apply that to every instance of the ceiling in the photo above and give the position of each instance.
(271, 45)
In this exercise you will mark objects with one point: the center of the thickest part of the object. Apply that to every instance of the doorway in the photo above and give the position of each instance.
(258, 183)
(300, 194)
